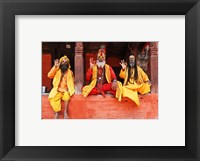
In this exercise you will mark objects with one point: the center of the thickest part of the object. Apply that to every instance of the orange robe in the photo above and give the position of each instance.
(62, 89)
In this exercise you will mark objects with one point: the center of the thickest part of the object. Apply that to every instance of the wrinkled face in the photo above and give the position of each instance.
(131, 61)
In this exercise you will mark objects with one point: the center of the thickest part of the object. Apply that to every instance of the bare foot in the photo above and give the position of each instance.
(103, 93)
(65, 115)
(56, 115)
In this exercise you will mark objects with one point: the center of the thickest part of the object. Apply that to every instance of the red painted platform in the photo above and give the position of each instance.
(98, 107)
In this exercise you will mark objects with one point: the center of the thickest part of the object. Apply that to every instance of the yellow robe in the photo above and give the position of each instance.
(88, 88)
(140, 85)
(54, 95)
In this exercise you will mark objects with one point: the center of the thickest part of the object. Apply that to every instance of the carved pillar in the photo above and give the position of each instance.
(79, 67)
(153, 66)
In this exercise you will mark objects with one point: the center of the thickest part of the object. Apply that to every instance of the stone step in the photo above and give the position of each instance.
(98, 107)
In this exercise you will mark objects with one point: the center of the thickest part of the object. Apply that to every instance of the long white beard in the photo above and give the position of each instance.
(101, 64)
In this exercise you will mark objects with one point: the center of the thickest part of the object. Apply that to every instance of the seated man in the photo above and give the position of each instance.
(135, 80)
(63, 85)
(102, 78)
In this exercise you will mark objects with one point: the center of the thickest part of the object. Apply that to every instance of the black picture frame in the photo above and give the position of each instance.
(189, 8)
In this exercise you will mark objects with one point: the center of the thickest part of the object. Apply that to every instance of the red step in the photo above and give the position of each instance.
(98, 107)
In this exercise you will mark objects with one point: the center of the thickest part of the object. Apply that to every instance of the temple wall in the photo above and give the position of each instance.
(80, 61)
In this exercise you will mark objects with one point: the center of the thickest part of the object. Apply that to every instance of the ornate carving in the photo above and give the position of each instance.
(79, 67)
(154, 48)
(154, 66)
(143, 57)
(79, 48)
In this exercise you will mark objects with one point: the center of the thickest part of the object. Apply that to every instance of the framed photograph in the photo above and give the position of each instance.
(105, 91)
(99, 80)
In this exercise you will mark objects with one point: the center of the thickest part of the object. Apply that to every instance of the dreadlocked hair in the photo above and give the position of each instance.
(136, 70)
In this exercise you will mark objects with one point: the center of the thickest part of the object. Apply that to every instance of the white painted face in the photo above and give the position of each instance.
(131, 61)
(132, 58)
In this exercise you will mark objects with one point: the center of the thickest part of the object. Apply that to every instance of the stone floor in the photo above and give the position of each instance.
(97, 107)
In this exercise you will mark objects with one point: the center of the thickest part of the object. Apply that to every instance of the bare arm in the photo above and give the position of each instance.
(54, 69)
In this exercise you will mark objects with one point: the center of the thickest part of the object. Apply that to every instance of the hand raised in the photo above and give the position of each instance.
(56, 63)
(149, 82)
(123, 64)
(92, 62)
